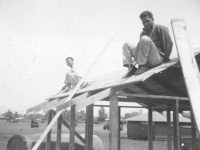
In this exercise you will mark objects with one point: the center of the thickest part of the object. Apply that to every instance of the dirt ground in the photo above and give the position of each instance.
(7, 130)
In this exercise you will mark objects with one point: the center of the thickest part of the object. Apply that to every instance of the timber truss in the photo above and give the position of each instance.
(169, 87)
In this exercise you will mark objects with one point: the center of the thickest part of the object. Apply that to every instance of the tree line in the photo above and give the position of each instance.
(81, 115)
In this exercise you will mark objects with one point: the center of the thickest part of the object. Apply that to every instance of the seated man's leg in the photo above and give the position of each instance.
(68, 88)
(147, 53)
(147, 56)
(72, 80)
(129, 52)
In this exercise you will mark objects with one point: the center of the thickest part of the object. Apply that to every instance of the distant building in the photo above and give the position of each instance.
(137, 126)
(3, 119)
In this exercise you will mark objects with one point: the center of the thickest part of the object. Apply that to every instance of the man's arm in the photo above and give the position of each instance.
(73, 71)
(76, 75)
(166, 42)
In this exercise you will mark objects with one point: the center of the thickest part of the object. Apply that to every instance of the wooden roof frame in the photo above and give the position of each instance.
(84, 97)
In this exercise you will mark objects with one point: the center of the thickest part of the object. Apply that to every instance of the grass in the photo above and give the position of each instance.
(7, 130)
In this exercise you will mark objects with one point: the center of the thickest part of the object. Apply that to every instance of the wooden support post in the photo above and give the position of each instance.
(194, 137)
(48, 139)
(72, 128)
(176, 126)
(86, 129)
(113, 124)
(150, 130)
(89, 128)
(59, 132)
(119, 111)
(169, 138)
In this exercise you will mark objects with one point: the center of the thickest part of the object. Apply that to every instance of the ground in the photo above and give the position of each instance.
(9, 129)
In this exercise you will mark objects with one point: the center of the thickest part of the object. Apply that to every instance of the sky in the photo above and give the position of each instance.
(36, 37)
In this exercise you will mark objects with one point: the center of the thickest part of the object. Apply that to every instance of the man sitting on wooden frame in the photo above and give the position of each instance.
(154, 47)
(71, 78)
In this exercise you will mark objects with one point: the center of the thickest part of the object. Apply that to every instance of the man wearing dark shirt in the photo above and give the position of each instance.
(154, 47)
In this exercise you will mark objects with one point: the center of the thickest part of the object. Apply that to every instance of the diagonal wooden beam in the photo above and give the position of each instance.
(92, 99)
(68, 126)
(46, 105)
(64, 103)
(189, 66)
(37, 106)
(72, 101)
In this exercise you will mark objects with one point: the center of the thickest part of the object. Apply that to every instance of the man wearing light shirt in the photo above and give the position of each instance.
(71, 78)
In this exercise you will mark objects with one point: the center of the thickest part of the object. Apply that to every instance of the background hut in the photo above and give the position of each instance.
(137, 126)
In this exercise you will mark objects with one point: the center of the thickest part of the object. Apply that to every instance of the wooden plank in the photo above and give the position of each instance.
(59, 133)
(70, 96)
(49, 103)
(72, 128)
(119, 106)
(153, 96)
(94, 98)
(54, 104)
(48, 139)
(114, 123)
(72, 101)
(89, 128)
(40, 106)
(62, 104)
(189, 66)
(64, 122)
(119, 133)
(169, 139)
(86, 130)
(150, 130)
(194, 137)
(176, 126)
(33, 108)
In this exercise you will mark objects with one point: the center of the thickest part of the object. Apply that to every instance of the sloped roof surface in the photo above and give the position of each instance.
(166, 80)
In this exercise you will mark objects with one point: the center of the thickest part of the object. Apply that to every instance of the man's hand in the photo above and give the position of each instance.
(64, 87)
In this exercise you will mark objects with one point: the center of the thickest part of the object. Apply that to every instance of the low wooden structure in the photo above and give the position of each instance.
(137, 126)
(3, 119)
(165, 87)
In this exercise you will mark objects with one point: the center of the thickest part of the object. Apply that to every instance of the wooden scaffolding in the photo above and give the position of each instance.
(172, 86)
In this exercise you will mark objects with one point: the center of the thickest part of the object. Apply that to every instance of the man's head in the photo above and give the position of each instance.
(147, 19)
(70, 61)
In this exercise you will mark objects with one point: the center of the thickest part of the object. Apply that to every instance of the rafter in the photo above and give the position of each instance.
(153, 96)
(167, 86)
(143, 87)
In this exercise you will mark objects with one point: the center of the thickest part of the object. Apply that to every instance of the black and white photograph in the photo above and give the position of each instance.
(99, 74)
